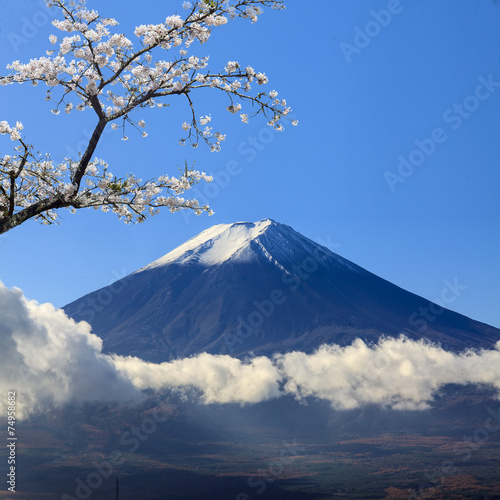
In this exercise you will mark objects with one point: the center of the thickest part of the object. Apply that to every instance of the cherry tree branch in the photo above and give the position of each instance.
(89, 61)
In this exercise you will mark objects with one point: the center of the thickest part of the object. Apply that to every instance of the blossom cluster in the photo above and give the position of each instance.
(102, 59)
(132, 199)
(26, 179)
(5, 128)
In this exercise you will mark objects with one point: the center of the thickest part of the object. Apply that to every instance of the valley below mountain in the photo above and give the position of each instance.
(167, 447)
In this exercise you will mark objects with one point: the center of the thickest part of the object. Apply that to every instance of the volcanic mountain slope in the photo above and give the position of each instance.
(262, 288)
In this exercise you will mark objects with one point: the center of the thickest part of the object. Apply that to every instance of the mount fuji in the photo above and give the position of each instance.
(261, 288)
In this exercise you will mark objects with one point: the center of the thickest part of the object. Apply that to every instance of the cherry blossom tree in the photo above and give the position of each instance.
(92, 68)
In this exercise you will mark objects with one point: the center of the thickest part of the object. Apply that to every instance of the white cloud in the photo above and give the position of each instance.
(50, 360)
(396, 373)
(220, 378)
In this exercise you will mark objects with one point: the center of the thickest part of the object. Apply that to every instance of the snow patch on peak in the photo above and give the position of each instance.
(216, 245)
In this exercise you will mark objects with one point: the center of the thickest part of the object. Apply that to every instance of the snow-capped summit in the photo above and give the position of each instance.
(263, 288)
(218, 244)
(246, 242)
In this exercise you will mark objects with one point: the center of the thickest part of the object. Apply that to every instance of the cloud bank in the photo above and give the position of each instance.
(218, 378)
(397, 373)
(51, 360)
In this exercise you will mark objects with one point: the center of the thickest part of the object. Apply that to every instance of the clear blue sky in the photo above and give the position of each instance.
(360, 108)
